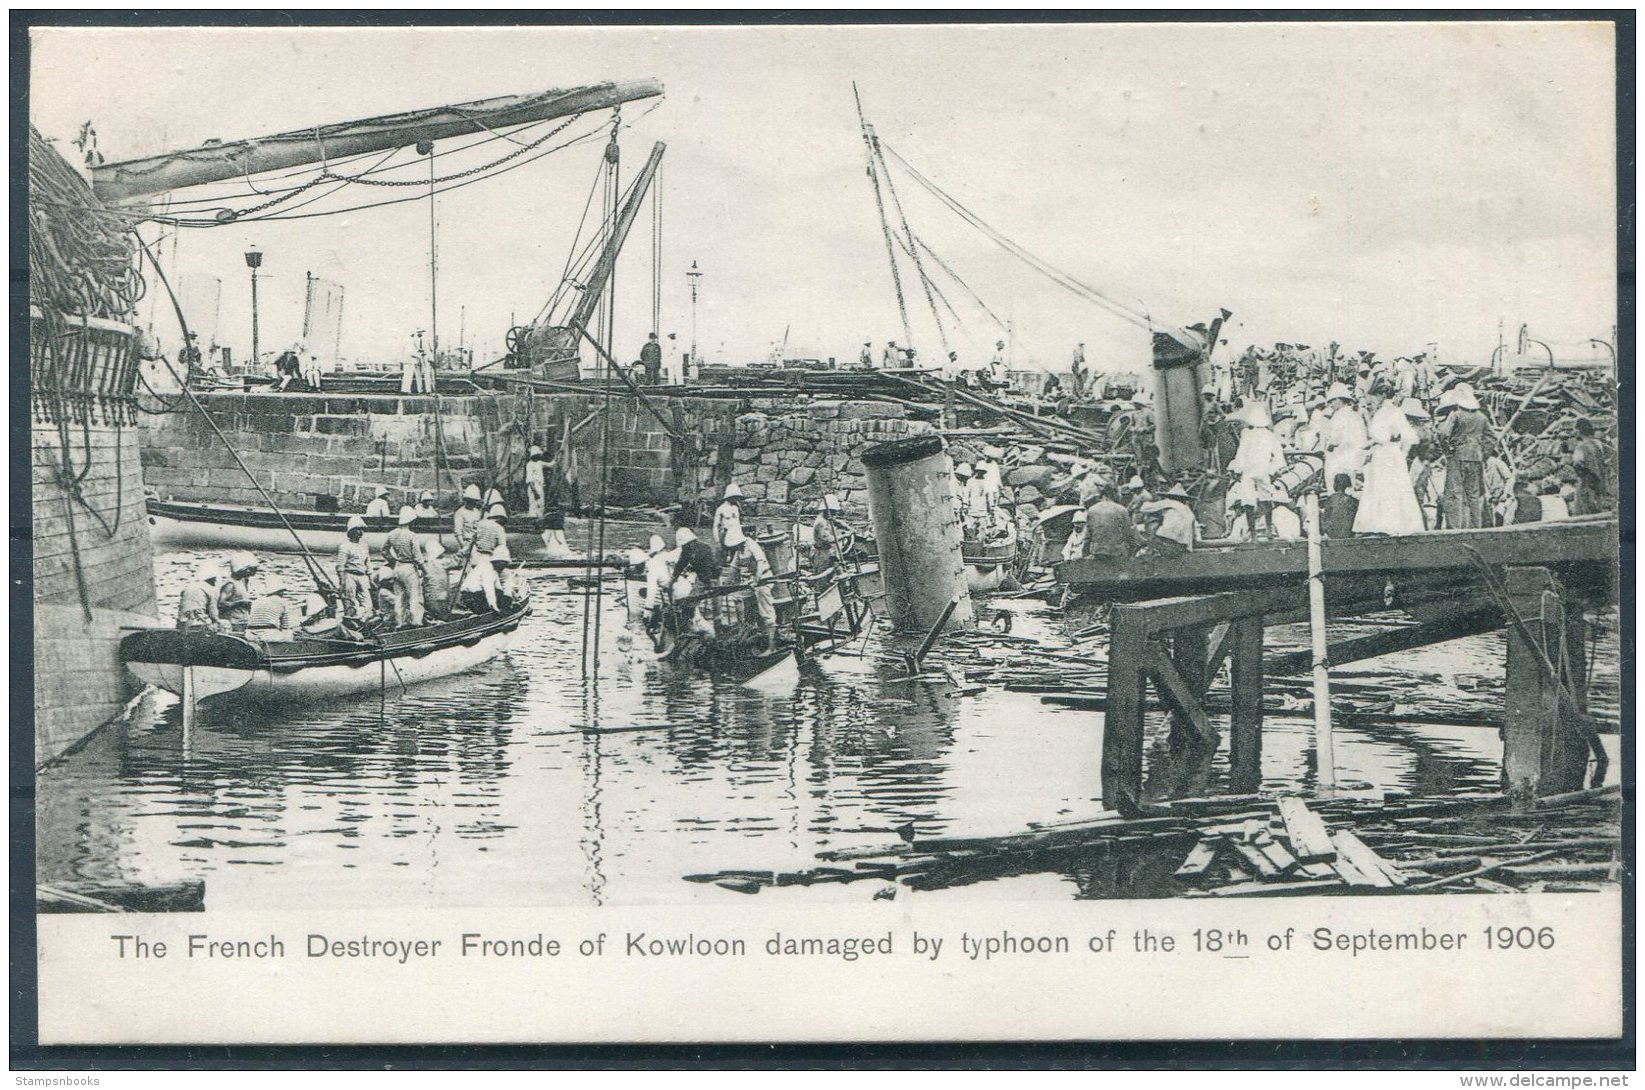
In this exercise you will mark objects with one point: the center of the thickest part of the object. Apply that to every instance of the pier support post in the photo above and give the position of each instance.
(1540, 754)
(1122, 730)
(1245, 725)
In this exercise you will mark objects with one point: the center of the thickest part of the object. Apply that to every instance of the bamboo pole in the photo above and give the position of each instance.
(1324, 744)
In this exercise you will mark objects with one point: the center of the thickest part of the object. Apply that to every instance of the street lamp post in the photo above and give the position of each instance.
(254, 261)
(694, 277)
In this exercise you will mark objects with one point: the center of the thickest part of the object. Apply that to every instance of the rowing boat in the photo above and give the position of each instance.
(200, 664)
(192, 524)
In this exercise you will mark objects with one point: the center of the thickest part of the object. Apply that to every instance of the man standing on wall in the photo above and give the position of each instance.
(651, 358)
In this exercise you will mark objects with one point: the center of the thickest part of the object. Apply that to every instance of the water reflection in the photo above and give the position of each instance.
(491, 788)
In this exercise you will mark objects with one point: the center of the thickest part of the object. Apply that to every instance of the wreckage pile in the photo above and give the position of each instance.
(1537, 412)
(1250, 845)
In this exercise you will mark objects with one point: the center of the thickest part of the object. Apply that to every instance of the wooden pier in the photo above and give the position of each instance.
(1448, 583)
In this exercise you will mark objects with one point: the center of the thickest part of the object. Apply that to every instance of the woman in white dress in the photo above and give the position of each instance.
(1388, 503)
(1256, 461)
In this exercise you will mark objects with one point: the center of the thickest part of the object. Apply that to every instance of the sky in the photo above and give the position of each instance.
(1386, 186)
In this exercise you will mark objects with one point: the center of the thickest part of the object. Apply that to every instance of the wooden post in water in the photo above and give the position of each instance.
(917, 527)
(1540, 754)
(1324, 744)
(1245, 724)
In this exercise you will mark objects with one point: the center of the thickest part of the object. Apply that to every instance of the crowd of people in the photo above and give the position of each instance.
(1398, 447)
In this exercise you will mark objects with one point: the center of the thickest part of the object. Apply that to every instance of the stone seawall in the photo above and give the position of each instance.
(782, 451)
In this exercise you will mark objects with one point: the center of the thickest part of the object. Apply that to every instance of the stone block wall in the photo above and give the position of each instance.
(784, 452)
(299, 446)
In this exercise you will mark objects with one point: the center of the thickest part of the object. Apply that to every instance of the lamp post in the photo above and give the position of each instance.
(694, 277)
(254, 261)
(1607, 346)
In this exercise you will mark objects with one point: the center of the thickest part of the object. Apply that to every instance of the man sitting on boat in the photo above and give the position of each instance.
(404, 555)
(481, 590)
(273, 617)
(1109, 534)
(746, 565)
(1172, 520)
(354, 571)
(436, 573)
(234, 597)
(288, 369)
(425, 506)
(512, 589)
(378, 508)
(197, 606)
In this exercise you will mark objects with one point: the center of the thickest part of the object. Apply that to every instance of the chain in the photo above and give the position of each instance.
(326, 176)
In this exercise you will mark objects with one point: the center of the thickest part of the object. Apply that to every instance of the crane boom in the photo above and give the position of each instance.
(218, 161)
(614, 244)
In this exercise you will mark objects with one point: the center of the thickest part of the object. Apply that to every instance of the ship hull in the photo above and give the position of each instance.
(92, 565)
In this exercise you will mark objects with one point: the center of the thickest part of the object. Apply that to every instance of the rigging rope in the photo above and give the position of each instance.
(912, 249)
(1065, 280)
(956, 277)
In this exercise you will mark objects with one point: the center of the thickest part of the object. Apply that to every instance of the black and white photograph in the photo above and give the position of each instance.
(889, 468)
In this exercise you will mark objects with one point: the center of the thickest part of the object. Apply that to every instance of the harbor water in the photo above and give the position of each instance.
(522, 783)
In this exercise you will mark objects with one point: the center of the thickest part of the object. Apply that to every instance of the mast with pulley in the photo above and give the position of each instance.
(551, 350)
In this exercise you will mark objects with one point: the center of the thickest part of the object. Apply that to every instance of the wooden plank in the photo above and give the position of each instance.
(1306, 832)
(1353, 855)
(1279, 856)
(1200, 858)
(1257, 860)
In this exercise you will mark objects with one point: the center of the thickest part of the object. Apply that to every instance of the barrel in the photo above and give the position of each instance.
(917, 528)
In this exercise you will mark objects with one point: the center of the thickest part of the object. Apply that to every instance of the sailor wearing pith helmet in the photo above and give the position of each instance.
(197, 607)
(354, 570)
(425, 505)
(378, 508)
(746, 565)
(404, 554)
(512, 589)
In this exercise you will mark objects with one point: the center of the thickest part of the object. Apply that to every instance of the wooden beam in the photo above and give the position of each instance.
(1383, 643)
(1176, 691)
(1586, 548)
(1165, 613)
(1222, 642)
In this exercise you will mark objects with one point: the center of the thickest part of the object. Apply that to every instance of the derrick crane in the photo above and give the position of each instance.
(551, 351)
